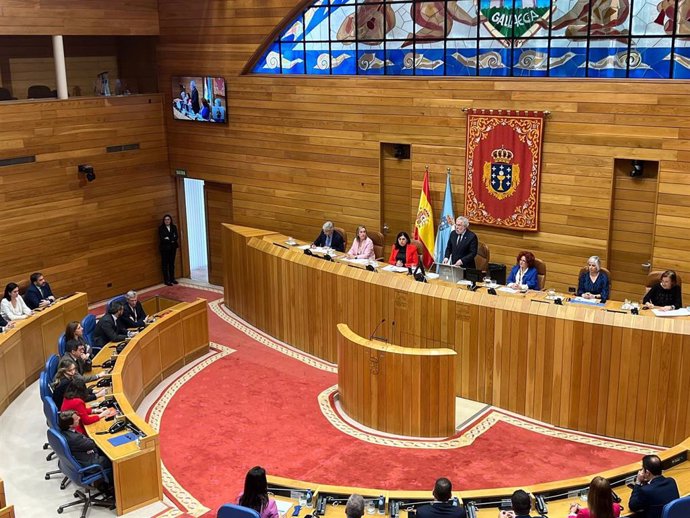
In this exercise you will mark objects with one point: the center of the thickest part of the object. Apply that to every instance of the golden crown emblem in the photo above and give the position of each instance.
(502, 156)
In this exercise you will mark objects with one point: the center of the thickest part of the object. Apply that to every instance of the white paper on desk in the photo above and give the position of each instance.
(432, 276)
(283, 506)
(303, 247)
(395, 269)
(586, 301)
(507, 289)
(682, 312)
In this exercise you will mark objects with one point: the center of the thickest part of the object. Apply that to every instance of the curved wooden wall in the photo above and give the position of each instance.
(315, 142)
(100, 237)
(606, 373)
(400, 390)
(25, 348)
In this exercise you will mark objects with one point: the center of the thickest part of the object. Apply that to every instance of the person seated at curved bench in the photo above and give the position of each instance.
(600, 502)
(255, 494)
(523, 273)
(329, 238)
(521, 505)
(362, 245)
(5, 325)
(442, 507)
(13, 306)
(75, 399)
(83, 448)
(354, 508)
(38, 294)
(133, 314)
(666, 295)
(67, 370)
(462, 245)
(109, 328)
(652, 491)
(75, 350)
(593, 284)
(403, 252)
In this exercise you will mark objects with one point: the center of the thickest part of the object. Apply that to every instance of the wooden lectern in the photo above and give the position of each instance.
(399, 390)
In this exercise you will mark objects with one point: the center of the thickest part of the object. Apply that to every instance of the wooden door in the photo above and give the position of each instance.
(218, 198)
(632, 229)
(395, 195)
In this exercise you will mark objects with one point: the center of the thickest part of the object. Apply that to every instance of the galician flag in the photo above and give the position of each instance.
(445, 227)
(424, 223)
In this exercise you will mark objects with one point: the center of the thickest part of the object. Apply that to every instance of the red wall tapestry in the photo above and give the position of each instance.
(503, 168)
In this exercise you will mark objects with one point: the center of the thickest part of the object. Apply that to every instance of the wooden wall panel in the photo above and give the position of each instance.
(218, 211)
(99, 237)
(22, 17)
(300, 150)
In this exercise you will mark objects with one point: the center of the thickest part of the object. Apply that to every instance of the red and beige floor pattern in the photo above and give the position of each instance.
(256, 401)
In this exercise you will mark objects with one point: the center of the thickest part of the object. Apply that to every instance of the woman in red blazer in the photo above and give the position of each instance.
(403, 252)
(75, 397)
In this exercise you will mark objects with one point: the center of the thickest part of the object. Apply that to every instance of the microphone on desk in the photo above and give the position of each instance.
(373, 333)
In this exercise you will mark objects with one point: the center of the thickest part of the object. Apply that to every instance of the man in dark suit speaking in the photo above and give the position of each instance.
(462, 245)
(109, 327)
(652, 491)
(443, 506)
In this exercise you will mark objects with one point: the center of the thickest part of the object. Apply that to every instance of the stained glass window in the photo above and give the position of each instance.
(514, 38)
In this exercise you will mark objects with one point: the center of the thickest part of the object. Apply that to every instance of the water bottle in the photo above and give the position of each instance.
(381, 505)
(310, 499)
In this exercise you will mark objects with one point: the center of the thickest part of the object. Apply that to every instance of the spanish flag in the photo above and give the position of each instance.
(424, 223)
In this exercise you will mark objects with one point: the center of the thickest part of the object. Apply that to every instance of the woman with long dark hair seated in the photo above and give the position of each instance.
(600, 502)
(255, 494)
(403, 253)
(75, 399)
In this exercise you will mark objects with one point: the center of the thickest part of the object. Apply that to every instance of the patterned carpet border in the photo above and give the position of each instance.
(174, 489)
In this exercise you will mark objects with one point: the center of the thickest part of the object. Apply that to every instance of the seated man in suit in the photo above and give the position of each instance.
(329, 238)
(462, 245)
(133, 315)
(109, 328)
(652, 491)
(75, 353)
(521, 505)
(83, 448)
(5, 325)
(443, 506)
(38, 294)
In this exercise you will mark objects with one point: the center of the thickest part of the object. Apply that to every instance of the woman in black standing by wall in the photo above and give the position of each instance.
(167, 236)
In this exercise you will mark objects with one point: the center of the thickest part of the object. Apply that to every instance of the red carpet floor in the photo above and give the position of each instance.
(258, 406)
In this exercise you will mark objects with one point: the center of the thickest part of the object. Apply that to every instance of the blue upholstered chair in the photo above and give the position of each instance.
(84, 477)
(51, 367)
(236, 511)
(88, 323)
(119, 298)
(677, 509)
(51, 413)
(62, 345)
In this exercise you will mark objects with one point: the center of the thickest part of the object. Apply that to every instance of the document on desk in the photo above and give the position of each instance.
(682, 312)
(123, 439)
(303, 247)
(363, 262)
(283, 507)
(395, 269)
(582, 300)
(507, 289)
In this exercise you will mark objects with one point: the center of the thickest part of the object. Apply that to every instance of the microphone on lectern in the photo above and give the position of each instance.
(373, 333)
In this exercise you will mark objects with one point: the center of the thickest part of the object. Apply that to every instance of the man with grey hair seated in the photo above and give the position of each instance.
(355, 506)
(134, 315)
(329, 238)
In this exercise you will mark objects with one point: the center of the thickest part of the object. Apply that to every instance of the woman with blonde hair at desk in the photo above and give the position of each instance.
(593, 283)
(362, 246)
(600, 502)
(13, 306)
(255, 494)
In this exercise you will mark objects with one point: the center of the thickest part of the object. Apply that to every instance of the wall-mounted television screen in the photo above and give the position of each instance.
(200, 99)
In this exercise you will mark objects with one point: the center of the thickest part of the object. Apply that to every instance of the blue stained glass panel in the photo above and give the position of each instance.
(318, 58)
(461, 61)
(532, 59)
(269, 62)
(292, 61)
(370, 62)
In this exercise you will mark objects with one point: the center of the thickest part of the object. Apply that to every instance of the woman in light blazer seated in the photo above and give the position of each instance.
(362, 246)
(524, 273)
(13, 306)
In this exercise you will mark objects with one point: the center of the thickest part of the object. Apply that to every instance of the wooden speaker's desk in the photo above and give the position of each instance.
(177, 337)
(399, 390)
(573, 366)
(25, 348)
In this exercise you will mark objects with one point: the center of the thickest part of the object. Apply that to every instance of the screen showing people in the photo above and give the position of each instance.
(200, 99)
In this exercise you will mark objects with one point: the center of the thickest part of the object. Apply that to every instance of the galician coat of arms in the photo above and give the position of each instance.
(501, 178)
(510, 21)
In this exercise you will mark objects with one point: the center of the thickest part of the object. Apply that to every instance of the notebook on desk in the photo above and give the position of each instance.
(450, 273)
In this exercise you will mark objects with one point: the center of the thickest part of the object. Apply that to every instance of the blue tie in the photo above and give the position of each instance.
(328, 241)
